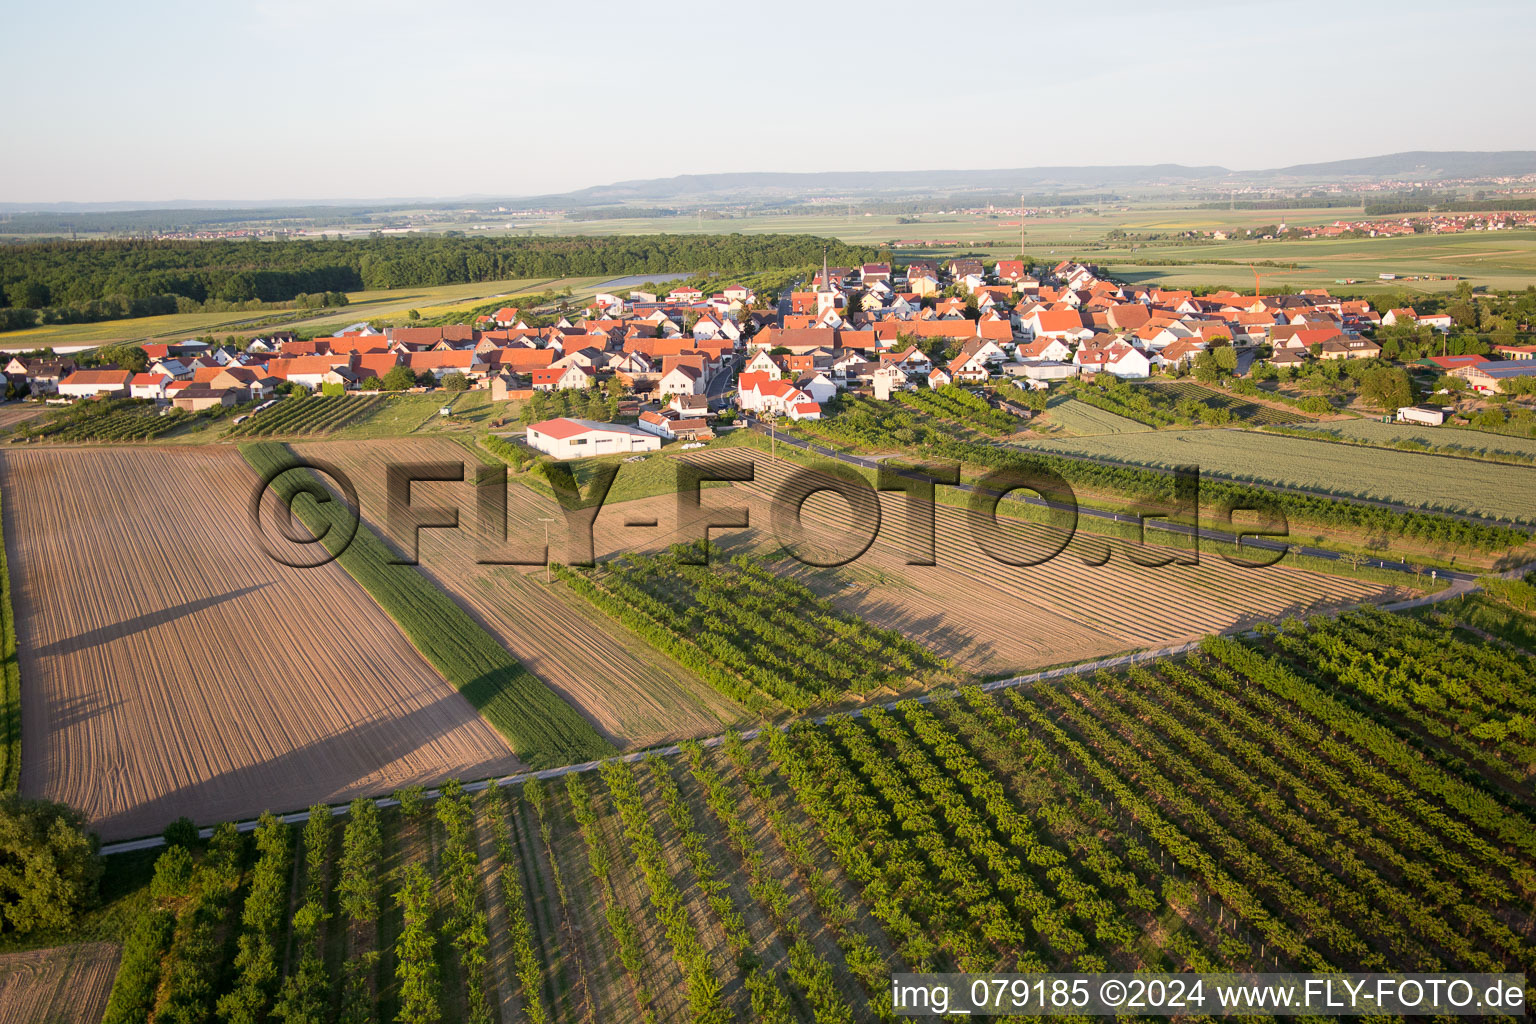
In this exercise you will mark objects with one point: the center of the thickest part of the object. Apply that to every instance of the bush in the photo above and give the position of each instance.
(181, 832)
(173, 870)
(49, 867)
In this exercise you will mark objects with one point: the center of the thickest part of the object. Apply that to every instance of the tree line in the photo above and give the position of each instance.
(77, 281)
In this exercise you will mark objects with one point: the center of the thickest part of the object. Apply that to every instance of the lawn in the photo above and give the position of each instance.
(1416, 480)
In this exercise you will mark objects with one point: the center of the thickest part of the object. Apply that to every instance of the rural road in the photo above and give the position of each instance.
(1162, 524)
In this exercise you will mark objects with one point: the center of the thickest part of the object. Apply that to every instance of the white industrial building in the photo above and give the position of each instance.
(566, 438)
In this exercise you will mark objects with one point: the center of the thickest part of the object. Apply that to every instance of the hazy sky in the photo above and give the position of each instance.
(306, 99)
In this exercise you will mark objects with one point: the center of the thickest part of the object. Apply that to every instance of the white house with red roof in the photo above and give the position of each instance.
(1066, 324)
(1044, 348)
(560, 378)
(1117, 358)
(148, 385)
(756, 393)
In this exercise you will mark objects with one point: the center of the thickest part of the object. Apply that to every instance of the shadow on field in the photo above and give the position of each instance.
(116, 631)
(329, 768)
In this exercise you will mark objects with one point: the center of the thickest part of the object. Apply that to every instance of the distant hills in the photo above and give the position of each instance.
(1418, 165)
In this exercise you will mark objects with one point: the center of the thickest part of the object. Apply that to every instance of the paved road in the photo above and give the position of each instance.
(1161, 524)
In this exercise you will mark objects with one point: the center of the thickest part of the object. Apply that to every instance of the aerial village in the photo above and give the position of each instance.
(682, 359)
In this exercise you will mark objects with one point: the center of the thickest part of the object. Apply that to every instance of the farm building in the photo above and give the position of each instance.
(88, 383)
(566, 438)
(1490, 376)
(198, 397)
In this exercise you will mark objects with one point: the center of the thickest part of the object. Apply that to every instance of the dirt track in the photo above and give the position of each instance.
(170, 667)
(63, 985)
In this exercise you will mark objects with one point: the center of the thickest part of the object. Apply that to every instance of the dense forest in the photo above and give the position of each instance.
(73, 281)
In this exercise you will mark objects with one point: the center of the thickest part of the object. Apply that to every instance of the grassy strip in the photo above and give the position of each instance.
(10, 700)
(539, 725)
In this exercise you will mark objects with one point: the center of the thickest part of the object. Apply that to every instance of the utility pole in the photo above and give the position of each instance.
(546, 521)
(1021, 226)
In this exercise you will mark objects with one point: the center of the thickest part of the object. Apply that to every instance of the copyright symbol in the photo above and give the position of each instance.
(1112, 992)
(298, 544)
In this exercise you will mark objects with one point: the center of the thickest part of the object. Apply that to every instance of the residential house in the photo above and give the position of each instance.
(1349, 348)
(682, 379)
(148, 385)
(561, 378)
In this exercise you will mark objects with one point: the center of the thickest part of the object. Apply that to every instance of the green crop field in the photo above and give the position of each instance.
(1442, 439)
(1416, 480)
(1273, 803)
(1501, 260)
(1249, 412)
(1067, 416)
(368, 305)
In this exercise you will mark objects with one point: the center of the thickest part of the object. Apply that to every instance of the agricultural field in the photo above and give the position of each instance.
(1239, 407)
(761, 639)
(114, 421)
(307, 415)
(984, 617)
(1471, 443)
(1505, 259)
(429, 301)
(64, 985)
(170, 667)
(1066, 416)
(14, 414)
(1231, 810)
(634, 696)
(910, 416)
(1408, 478)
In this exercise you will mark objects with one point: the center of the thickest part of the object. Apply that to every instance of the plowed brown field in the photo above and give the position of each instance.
(633, 695)
(992, 618)
(64, 985)
(987, 617)
(170, 667)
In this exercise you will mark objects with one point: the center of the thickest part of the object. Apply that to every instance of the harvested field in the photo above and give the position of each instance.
(170, 667)
(634, 696)
(64, 985)
(987, 617)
